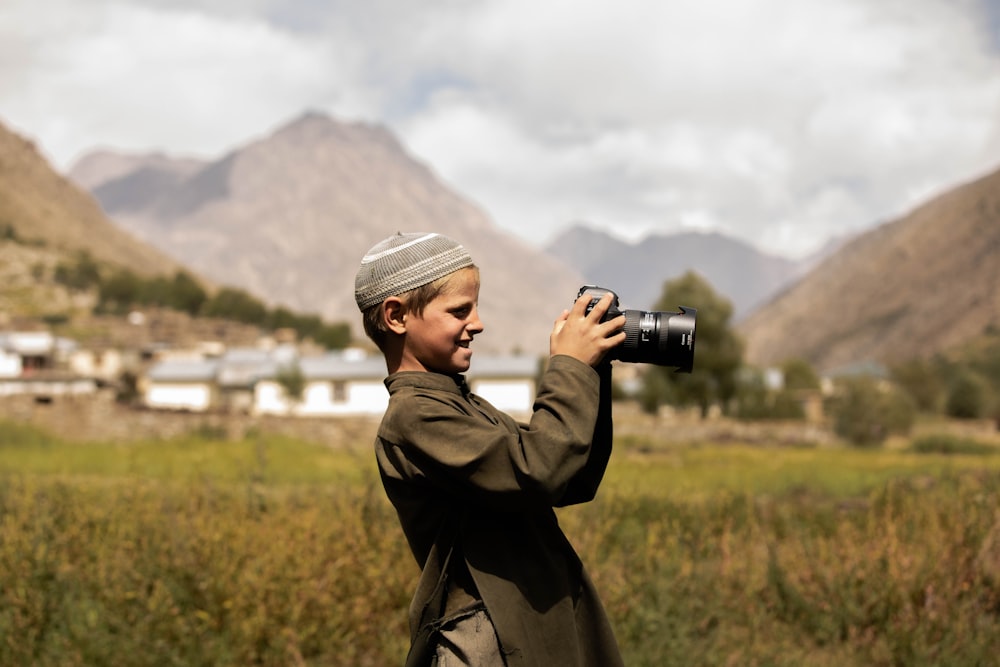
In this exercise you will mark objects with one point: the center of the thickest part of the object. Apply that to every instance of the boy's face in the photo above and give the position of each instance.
(438, 340)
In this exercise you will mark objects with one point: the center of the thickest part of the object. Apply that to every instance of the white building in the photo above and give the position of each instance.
(508, 382)
(34, 350)
(334, 384)
(241, 368)
(182, 384)
(31, 362)
(10, 363)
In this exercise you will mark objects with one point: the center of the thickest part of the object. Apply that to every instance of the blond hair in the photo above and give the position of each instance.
(414, 301)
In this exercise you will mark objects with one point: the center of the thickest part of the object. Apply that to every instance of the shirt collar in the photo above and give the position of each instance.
(426, 380)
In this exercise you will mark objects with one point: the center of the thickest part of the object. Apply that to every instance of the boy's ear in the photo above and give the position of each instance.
(394, 315)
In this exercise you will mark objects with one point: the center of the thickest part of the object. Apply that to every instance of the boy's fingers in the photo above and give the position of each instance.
(615, 325)
(560, 322)
(599, 309)
(580, 305)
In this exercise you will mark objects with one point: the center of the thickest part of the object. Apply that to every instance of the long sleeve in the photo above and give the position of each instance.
(583, 487)
(451, 441)
(443, 455)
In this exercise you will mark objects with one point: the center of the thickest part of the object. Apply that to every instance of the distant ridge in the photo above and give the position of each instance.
(101, 166)
(637, 271)
(288, 217)
(911, 288)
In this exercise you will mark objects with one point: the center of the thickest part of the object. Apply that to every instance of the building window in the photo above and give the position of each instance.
(339, 392)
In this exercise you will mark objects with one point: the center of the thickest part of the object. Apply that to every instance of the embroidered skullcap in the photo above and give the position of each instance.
(404, 262)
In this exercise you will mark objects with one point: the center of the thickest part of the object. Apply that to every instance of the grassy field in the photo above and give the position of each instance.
(271, 551)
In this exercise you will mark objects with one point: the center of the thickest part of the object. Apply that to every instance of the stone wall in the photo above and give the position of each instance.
(99, 418)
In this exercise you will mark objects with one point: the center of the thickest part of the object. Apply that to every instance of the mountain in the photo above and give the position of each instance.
(289, 216)
(40, 206)
(637, 271)
(103, 166)
(911, 288)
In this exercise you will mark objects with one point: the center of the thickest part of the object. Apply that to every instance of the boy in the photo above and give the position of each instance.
(474, 490)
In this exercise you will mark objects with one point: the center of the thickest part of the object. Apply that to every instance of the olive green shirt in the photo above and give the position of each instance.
(455, 467)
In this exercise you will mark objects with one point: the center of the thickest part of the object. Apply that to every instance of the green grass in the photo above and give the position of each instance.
(273, 459)
(702, 471)
(271, 551)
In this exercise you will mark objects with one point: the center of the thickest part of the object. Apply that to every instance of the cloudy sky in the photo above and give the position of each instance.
(781, 122)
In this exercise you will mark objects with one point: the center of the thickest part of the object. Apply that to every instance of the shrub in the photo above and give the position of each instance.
(951, 444)
(923, 380)
(81, 274)
(865, 413)
(236, 304)
(968, 396)
(799, 374)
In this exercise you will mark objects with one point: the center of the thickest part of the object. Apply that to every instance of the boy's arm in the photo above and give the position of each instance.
(444, 441)
(583, 487)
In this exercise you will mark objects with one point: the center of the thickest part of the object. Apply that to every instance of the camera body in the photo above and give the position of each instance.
(651, 337)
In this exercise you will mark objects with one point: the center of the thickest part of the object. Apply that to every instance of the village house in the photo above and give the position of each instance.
(181, 384)
(34, 363)
(507, 382)
(275, 378)
(338, 383)
(241, 368)
(344, 383)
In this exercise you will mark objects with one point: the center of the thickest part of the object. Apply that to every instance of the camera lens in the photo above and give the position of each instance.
(664, 339)
(661, 338)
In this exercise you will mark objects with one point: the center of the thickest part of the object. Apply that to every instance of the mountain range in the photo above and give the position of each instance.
(917, 286)
(286, 217)
(637, 271)
(289, 216)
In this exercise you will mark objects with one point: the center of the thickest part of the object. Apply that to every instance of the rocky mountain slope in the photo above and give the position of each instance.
(47, 221)
(288, 218)
(914, 287)
(39, 206)
(637, 271)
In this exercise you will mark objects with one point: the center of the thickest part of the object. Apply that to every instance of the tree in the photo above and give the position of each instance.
(718, 350)
(119, 291)
(755, 400)
(799, 374)
(290, 377)
(334, 336)
(968, 396)
(924, 380)
(236, 304)
(186, 294)
(866, 413)
(82, 274)
(281, 318)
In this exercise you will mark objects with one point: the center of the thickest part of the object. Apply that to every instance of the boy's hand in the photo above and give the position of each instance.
(582, 335)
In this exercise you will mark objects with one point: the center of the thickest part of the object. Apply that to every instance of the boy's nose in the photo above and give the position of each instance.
(476, 324)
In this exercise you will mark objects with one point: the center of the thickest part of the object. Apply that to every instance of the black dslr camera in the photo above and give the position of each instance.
(664, 339)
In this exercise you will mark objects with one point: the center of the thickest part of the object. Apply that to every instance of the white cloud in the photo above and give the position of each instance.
(181, 80)
(780, 121)
(718, 113)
